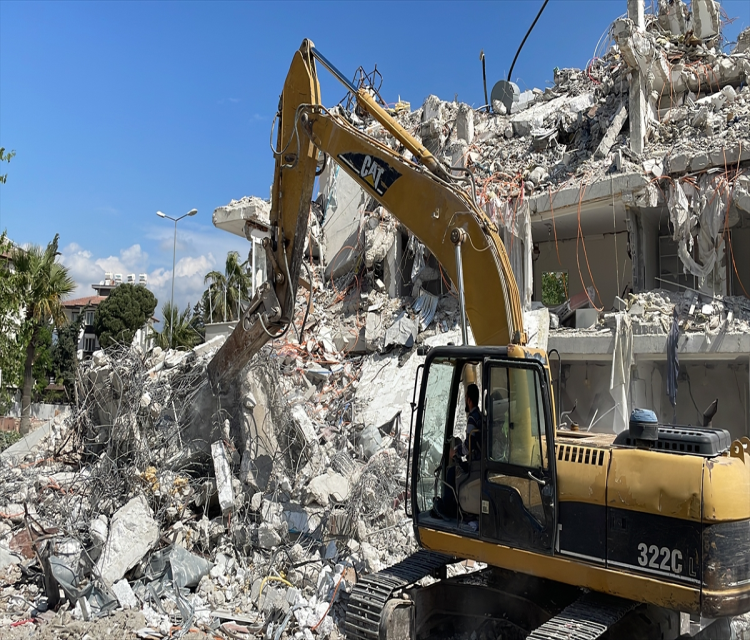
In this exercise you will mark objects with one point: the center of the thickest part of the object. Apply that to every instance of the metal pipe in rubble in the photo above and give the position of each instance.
(458, 237)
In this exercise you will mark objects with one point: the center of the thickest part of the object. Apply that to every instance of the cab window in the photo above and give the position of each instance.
(515, 424)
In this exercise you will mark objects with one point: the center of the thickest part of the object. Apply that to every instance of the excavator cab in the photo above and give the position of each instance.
(507, 493)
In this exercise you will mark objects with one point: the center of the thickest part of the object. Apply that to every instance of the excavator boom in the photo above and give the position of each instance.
(425, 197)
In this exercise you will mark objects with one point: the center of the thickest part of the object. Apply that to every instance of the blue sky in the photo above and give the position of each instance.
(119, 109)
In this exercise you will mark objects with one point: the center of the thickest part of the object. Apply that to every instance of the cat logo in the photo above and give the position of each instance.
(374, 172)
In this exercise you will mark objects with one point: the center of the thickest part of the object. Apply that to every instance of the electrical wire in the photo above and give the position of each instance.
(523, 42)
(581, 239)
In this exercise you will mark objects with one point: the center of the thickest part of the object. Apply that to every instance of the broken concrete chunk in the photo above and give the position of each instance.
(378, 239)
(373, 331)
(700, 161)
(465, 123)
(370, 441)
(317, 373)
(272, 599)
(244, 217)
(538, 175)
(673, 16)
(700, 118)
(173, 359)
(432, 108)
(741, 195)
(706, 18)
(535, 116)
(612, 132)
(370, 558)
(124, 594)
(132, 533)
(8, 557)
(223, 476)
(327, 487)
(98, 530)
(653, 166)
(743, 41)
(678, 163)
(267, 537)
(403, 332)
(306, 426)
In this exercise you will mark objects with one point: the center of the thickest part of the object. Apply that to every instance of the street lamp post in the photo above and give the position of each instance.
(192, 212)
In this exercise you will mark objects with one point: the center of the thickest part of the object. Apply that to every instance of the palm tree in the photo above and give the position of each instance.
(42, 283)
(226, 290)
(183, 333)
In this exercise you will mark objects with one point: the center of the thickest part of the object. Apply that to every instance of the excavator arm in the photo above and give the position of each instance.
(424, 196)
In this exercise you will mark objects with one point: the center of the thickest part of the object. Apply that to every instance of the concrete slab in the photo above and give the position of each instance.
(29, 444)
(223, 476)
(343, 201)
(247, 216)
(598, 345)
(132, 533)
(603, 189)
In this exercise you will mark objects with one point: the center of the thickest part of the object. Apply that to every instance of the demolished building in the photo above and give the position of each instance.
(257, 515)
(629, 178)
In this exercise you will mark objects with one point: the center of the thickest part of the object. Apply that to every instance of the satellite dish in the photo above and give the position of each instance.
(505, 92)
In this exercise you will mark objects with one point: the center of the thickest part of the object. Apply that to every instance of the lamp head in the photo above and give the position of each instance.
(192, 212)
(161, 215)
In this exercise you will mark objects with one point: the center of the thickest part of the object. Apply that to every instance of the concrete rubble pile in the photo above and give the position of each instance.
(693, 125)
(257, 510)
(651, 312)
(162, 508)
(573, 131)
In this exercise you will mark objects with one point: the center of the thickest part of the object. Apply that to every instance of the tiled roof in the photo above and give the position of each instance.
(82, 302)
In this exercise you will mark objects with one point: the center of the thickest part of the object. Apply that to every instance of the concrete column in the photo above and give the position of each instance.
(635, 228)
(390, 267)
(637, 101)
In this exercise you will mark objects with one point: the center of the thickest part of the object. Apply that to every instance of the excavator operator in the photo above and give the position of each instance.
(446, 507)
(473, 424)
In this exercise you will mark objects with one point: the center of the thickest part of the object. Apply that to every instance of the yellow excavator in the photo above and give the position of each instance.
(641, 535)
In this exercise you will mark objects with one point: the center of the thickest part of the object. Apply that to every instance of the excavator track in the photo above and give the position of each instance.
(369, 596)
(587, 618)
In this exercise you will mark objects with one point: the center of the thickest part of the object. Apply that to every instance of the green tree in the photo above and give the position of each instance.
(198, 320)
(11, 346)
(183, 333)
(65, 354)
(554, 288)
(42, 368)
(40, 285)
(126, 310)
(225, 292)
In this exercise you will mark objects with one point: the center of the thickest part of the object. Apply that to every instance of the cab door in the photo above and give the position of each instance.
(519, 491)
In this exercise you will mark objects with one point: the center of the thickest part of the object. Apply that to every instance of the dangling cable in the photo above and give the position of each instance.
(523, 42)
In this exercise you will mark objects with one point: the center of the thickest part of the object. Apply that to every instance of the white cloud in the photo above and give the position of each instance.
(188, 267)
(200, 249)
